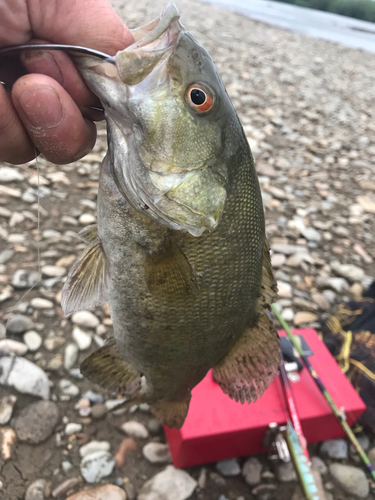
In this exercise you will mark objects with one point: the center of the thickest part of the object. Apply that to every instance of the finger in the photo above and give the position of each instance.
(59, 66)
(52, 119)
(15, 145)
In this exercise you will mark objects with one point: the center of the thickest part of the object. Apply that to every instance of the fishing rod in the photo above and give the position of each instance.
(339, 413)
(14, 49)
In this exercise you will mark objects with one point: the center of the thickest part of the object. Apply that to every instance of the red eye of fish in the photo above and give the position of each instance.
(199, 98)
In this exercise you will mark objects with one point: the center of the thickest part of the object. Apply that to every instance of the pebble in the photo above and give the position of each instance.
(67, 388)
(53, 271)
(154, 426)
(22, 279)
(87, 219)
(157, 453)
(40, 303)
(99, 411)
(278, 260)
(135, 429)
(302, 317)
(35, 490)
(130, 491)
(319, 465)
(86, 319)
(363, 440)
(367, 203)
(287, 314)
(322, 302)
(311, 234)
(349, 271)
(33, 340)
(252, 470)
(94, 446)
(127, 445)
(19, 324)
(7, 440)
(24, 376)
(8, 174)
(229, 467)
(65, 486)
(334, 448)
(72, 428)
(5, 256)
(340, 285)
(285, 290)
(286, 472)
(82, 338)
(93, 397)
(105, 492)
(71, 353)
(352, 479)
(66, 466)
(6, 408)
(10, 347)
(96, 466)
(2, 331)
(37, 421)
(170, 484)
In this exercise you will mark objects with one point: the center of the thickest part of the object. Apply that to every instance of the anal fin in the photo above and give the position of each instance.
(172, 413)
(251, 365)
(106, 368)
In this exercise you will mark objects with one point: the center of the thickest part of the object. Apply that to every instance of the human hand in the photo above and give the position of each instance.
(50, 108)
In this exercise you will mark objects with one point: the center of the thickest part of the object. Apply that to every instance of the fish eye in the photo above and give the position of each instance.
(199, 98)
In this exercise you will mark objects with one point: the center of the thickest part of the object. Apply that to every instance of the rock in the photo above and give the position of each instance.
(96, 466)
(82, 338)
(367, 203)
(127, 445)
(7, 440)
(311, 234)
(72, 428)
(170, 484)
(340, 285)
(33, 340)
(321, 301)
(105, 492)
(85, 318)
(6, 408)
(2, 331)
(335, 448)
(5, 256)
(19, 324)
(93, 397)
(356, 291)
(229, 467)
(217, 479)
(36, 490)
(10, 347)
(297, 259)
(252, 470)
(24, 376)
(37, 421)
(87, 219)
(135, 429)
(22, 279)
(94, 446)
(287, 314)
(303, 317)
(156, 453)
(363, 440)
(278, 260)
(99, 411)
(154, 426)
(285, 290)
(67, 388)
(285, 472)
(287, 249)
(71, 354)
(65, 486)
(352, 479)
(130, 491)
(8, 174)
(40, 303)
(319, 465)
(349, 271)
(53, 271)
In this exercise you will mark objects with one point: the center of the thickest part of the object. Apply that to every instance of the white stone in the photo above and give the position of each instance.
(82, 338)
(53, 271)
(287, 314)
(96, 466)
(8, 174)
(72, 428)
(170, 484)
(71, 354)
(10, 347)
(135, 429)
(86, 319)
(157, 453)
(94, 446)
(87, 219)
(285, 290)
(33, 340)
(349, 271)
(6, 408)
(67, 388)
(40, 303)
(24, 376)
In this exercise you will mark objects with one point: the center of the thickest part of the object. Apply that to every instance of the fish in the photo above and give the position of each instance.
(179, 250)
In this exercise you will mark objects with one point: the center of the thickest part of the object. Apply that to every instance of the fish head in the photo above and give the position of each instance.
(167, 112)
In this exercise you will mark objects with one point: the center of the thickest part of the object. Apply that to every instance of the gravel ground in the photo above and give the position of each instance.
(307, 107)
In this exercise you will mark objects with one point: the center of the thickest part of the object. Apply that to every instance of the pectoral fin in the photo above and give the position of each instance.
(89, 233)
(106, 368)
(87, 282)
(172, 414)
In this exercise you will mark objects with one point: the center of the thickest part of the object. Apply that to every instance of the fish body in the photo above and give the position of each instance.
(179, 250)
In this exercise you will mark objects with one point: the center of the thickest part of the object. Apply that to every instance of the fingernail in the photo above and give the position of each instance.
(43, 63)
(42, 107)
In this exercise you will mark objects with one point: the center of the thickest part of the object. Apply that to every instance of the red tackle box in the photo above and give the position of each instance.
(217, 427)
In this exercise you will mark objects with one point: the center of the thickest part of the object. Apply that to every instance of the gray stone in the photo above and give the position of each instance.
(93, 447)
(229, 467)
(349, 271)
(96, 466)
(288, 249)
(170, 484)
(86, 319)
(335, 448)
(135, 429)
(24, 376)
(319, 465)
(8, 174)
(363, 440)
(6, 408)
(83, 339)
(156, 453)
(22, 279)
(252, 470)
(36, 490)
(286, 472)
(10, 347)
(352, 479)
(33, 340)
(67, 388)
(5, 256)
(71, 354)
(72, 428)
(19, 324)
(311, 234)
(93, 397)
(340, 285)
(37, 421)
(2, 331)
(154, 426)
